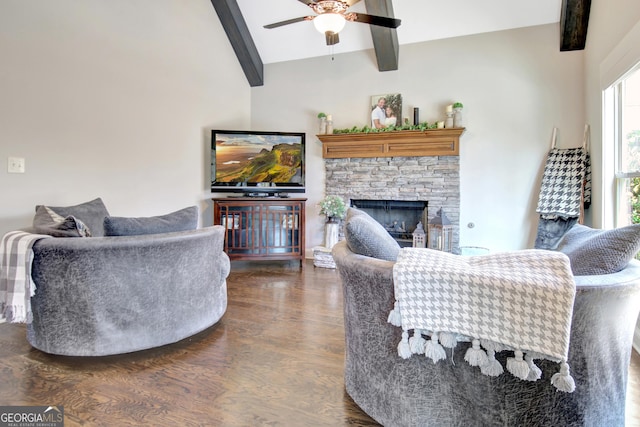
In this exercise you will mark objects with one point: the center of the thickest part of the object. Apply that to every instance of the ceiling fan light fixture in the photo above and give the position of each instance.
(332, 22)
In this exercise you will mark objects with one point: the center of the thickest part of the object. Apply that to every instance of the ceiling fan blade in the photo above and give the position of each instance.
(332, 38)
(350, 2)
(289, 21)
(307, 2)
(381, 21)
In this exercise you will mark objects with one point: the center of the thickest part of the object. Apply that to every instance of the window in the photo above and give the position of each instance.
(622, 117)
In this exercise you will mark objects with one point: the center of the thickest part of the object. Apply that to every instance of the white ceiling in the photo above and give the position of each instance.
(422, 20)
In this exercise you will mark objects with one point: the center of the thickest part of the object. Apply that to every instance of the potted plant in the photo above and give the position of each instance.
(457, 114)
(334, 208)
(323, 123)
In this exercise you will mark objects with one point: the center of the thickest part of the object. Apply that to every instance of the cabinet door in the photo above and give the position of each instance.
(242, 236)
(280, 228)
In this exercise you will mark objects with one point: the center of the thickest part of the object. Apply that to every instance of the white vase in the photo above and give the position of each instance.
(448, 123)
(323, 126)
(331, 232)
(457, 118)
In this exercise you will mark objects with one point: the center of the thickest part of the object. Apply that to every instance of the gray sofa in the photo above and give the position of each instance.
(106, 295)
(418, 392)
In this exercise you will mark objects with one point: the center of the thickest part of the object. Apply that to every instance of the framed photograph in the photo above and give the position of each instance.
(386, 110)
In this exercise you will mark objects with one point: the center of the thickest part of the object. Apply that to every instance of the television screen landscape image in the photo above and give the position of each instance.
(244, 160)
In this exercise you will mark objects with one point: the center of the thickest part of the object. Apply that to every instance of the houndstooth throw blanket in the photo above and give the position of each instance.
(16, 286)
(566, 183)
(518, 301)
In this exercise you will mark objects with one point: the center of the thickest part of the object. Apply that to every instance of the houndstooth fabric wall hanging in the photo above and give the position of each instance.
(566, 183)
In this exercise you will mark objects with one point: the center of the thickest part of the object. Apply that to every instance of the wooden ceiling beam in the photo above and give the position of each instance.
(385, 40)
(574, 19)
(236, 28)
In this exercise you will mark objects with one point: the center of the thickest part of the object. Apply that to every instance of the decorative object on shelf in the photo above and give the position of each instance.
(449, 122)
(334, 208)
(329, 130)
(440, 125)
(419, 236)
(322, 117)
(416, 116)
(383, 107)
(457, 115)
(440, 232)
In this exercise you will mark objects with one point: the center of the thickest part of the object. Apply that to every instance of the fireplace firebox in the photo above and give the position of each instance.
(398, 217)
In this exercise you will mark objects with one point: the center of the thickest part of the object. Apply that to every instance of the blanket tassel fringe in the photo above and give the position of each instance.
(475, 356)
(433, 350)
(394, 316)
(521, 366)
(517, 366)
(404, 350)
(535, 373)
(563, 380)
(416, 342)
(448, 339)
(493, 368)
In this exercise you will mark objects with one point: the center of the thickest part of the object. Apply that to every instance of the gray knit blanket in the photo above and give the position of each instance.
(520, 301)
(16, 286)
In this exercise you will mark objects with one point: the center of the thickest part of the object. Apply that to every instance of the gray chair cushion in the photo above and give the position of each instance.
(47, 221)
(91, 213)
(182, 220)
(366, 236)
(594, 252)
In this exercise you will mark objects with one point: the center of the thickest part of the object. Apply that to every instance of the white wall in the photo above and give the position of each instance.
(113, 99)
(516, 86)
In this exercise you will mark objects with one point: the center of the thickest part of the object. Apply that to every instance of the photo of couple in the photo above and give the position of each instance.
(386, 110)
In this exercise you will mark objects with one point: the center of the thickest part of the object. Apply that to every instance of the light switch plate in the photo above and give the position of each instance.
(15, 165)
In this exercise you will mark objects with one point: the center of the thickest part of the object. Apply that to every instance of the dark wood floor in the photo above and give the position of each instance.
(275, 359)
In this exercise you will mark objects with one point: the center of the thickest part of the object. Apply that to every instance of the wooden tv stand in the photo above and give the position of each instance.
(262, 228)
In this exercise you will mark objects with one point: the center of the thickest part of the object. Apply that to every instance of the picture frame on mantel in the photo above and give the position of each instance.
(393, 109)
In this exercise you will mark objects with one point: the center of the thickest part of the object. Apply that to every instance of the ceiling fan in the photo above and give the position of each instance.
(332, 16)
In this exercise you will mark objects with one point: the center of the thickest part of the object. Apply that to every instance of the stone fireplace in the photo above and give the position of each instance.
(417, 166)
(433, 180)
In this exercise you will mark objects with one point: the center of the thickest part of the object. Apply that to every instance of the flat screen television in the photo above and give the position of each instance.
(257, 163)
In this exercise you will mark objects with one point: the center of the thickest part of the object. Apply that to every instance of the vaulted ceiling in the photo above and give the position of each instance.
(422, 20)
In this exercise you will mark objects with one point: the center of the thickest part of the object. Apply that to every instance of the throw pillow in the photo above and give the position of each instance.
(91, 213)
(594, 252)
(182, 220)
(366, 236)
(47, 221)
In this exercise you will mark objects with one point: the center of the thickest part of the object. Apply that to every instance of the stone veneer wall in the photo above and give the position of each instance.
(435, 179)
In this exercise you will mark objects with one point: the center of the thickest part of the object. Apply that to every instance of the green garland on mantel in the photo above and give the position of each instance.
(367, 129)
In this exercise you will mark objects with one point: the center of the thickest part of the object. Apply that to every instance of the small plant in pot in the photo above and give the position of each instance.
(322, 117)
(457, 115)
(333, 207)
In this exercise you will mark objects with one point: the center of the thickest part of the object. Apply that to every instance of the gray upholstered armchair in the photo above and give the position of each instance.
(148, 282)
(108, 295)
(418, 392)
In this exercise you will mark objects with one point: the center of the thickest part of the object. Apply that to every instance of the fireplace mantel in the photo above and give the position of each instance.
(432, 142)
